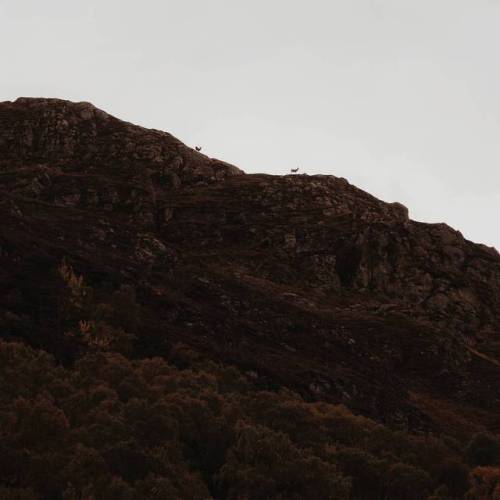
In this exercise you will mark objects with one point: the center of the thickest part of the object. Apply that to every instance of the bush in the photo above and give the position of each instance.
(266, 464)
(408, 482)
(483, 449)
(109, 427)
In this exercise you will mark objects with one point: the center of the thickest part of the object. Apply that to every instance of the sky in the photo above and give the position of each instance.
(401, 97)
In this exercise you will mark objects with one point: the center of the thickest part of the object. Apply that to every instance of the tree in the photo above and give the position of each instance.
(455, 476)
(485, 484)
(483, 449)
(408, 482)
(264, 464)
(367, 473)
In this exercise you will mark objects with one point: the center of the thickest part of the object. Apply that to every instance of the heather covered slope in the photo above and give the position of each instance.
(120, 244)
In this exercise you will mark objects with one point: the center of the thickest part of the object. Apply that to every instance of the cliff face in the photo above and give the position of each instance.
(303, 282)
(77, 155)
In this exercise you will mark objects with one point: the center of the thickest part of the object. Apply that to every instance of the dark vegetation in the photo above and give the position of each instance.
(109, 426)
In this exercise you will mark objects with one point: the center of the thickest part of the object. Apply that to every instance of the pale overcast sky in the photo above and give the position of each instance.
(401, 97)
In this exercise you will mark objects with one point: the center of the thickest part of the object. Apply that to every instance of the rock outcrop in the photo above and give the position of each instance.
(323, 233)
(77, 155)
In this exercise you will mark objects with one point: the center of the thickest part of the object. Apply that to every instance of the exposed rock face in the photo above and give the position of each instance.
(305, 282)
(328, 235)
(77, 155)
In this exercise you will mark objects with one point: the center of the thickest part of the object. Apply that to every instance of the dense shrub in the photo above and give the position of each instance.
(111, 427)
(483, 449)
(485, 484)
(265, 464)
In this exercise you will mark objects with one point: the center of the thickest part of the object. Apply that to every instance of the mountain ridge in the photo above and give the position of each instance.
(301, 283)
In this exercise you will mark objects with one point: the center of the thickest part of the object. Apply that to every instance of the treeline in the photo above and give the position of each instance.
(107, 426)
(112, 428)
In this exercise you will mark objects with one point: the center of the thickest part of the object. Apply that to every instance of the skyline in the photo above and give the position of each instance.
(398, 97)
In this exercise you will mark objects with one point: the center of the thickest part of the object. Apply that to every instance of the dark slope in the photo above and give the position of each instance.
(303, 282)
(310, 266)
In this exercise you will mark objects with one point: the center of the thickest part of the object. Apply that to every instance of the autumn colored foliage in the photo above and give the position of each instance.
(109, 425)
(112, 427)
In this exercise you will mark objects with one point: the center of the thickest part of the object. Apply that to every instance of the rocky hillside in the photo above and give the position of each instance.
(299, 283)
